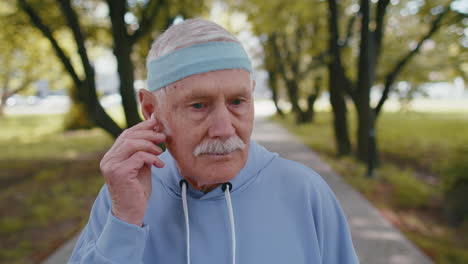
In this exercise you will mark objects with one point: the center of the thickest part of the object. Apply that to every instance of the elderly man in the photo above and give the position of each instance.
(215, 196)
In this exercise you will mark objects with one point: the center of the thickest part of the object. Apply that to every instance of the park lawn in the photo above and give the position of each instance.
(415, 149)
(48, 182)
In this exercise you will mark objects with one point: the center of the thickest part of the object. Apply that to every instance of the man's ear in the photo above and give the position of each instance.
(147, 103)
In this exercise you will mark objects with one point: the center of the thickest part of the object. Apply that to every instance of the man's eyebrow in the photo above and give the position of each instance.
(242, 93)
(195, 96)
(204, 94)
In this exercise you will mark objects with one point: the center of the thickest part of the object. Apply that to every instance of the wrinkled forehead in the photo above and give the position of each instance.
(225, 83)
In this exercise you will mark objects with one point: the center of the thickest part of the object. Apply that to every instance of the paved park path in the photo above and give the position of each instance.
(375, 239)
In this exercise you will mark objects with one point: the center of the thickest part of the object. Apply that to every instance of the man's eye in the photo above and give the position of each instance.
(197, 105)
(236, 101)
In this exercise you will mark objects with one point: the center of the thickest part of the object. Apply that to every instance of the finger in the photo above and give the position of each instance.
(114, 151)
(130, 146)
(148, 124)
(158, 163)
(146, 135)
(139, 159)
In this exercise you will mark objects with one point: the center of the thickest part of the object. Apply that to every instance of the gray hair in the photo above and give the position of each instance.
(186, 33)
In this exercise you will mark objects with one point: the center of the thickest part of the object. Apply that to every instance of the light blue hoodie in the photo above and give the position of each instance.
(283, 212)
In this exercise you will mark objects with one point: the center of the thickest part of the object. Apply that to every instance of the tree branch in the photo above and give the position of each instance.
(147, 19)
(37, 22)
(297, 51)
(288, 58)
(6, 84)
(22, 87)
(379, 28)
(277, 54)
(390, 78)
(316, 62)
(72, 20)
(349, 30)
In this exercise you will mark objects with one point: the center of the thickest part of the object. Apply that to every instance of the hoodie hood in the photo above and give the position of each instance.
(169, 176)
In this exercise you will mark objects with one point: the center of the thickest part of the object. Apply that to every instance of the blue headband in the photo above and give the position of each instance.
(199, 58)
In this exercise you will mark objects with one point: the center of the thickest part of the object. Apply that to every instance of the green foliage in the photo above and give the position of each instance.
(294, 48)
(25, 57)
(440, 58)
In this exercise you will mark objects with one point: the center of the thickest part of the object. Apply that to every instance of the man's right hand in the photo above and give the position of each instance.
(126, 168)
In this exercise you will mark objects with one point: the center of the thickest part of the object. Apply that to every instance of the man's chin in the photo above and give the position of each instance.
(218, 173)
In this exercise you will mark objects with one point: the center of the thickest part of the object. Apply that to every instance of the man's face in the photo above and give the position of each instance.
(205, 107)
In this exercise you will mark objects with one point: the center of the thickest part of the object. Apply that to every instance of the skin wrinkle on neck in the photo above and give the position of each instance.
(204, 188)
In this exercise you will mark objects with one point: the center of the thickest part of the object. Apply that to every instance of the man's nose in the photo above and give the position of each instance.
(221, 124)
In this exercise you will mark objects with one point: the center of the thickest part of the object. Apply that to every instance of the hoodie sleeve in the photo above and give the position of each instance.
(107, 239)
(336, 245)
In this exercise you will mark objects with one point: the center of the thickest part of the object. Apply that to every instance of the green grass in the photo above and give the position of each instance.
(425, 139)
(49, 179)
(40, 136)
(416, 152)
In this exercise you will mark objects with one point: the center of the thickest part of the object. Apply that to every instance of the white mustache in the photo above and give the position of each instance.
(219, 147)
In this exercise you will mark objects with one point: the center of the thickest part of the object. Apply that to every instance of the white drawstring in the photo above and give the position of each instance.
(231, 219)
(187, 226)
(227, 187)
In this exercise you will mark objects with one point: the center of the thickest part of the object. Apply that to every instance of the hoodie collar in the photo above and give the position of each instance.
(169, 176)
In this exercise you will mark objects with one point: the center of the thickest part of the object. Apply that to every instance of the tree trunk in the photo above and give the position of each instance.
(3, 100)
(310, 112)
(5, 94)
(340, 119)
(372, 157)
(76, 117)
(96, 112)
(364, 84)
(312, 98)
(293, 94)
(122, 51)
(273, 83)
(103, 120)
(364, 128)
(337, 82)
